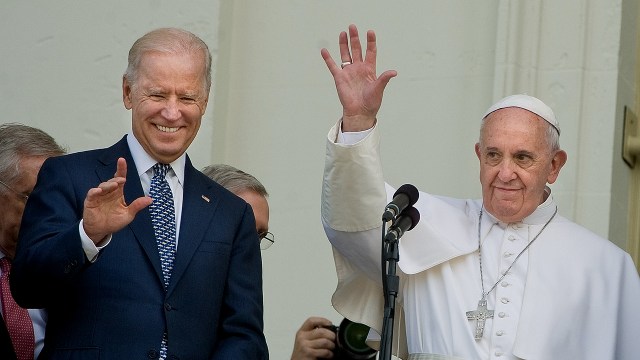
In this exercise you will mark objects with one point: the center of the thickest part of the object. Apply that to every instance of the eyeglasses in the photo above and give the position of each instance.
(266, 240)
(23, 196)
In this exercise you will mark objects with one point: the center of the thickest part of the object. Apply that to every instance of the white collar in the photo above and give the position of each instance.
(144, 161)
(539, 217)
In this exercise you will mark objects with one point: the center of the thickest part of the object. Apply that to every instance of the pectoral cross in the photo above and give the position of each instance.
(480, 315)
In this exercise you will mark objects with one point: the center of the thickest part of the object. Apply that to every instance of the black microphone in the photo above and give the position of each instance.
(405, 196)
(405, 222)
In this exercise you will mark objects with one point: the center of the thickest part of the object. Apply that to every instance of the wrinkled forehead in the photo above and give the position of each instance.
(514, 129)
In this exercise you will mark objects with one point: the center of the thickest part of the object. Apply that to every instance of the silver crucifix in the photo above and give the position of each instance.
(480, 315)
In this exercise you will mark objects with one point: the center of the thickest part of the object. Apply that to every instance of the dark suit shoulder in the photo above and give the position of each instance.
(198, 179)
(106, 155)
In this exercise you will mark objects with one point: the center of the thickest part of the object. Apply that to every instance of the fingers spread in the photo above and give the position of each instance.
(110, 186)
(343, 43)
(138, 204)
(356, 49)
(372, 50)
(384, 78)
(331, 65)
(121, 170)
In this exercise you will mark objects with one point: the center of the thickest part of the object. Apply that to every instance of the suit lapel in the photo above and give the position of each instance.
(141, 225)
(198, 207)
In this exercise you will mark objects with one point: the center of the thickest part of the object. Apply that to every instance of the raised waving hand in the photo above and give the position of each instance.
(105, 210)
(359, 89)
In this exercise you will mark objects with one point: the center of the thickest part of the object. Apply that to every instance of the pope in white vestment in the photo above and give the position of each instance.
(557, 290)
(572, 295)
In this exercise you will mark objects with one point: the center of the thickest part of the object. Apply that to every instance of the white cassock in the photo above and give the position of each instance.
(571, 295)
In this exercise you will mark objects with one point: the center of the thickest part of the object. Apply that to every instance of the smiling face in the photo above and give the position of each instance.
(516, 163)
(167, 102)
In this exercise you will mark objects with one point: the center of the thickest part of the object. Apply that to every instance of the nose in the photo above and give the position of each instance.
(506, 171)
(171, 110)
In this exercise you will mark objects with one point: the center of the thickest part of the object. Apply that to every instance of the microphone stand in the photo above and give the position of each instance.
(390, 286)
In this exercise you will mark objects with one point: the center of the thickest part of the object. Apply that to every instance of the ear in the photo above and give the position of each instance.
(558, 161)
(126, 93)
(477, 148)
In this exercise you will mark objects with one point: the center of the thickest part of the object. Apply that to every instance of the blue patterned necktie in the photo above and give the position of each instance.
(163, 217)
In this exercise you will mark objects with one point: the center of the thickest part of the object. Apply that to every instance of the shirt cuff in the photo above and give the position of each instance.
(350, 138)
(90, 249)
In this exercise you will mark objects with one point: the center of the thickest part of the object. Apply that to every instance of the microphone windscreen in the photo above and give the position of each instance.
(409, 190)
(414, 214)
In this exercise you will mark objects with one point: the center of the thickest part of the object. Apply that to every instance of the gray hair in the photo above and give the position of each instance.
(552, 134)
(234, 180)
(170, 41)
(19, 141)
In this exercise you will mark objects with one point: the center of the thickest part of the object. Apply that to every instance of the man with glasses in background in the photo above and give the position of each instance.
(23, 149)
(314, 339)
(249, 189)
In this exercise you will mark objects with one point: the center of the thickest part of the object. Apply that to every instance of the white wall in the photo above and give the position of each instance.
(62, 64)
(273, 100)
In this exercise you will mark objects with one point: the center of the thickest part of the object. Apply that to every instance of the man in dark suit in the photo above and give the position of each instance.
(23, 149)
(123, 277)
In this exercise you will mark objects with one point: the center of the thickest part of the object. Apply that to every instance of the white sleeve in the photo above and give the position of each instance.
(350, 138)
(90, 249)
(353, 199)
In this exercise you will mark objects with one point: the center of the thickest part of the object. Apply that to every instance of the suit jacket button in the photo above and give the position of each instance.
(168, 307)
(70, 265)
(152, 354)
